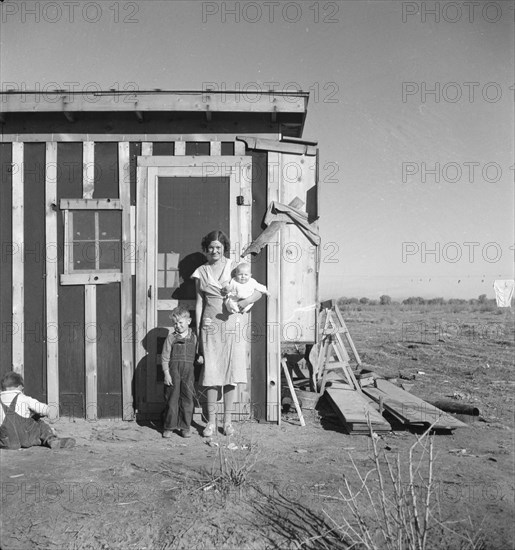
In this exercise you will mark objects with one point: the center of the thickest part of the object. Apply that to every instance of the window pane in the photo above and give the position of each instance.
(110, 225)
(110, 255)
(84, 255)
(83, 225)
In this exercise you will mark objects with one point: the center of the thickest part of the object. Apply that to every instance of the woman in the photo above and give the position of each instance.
(221, 334)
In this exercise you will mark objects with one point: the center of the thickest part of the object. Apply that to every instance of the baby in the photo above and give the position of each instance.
(242, 286)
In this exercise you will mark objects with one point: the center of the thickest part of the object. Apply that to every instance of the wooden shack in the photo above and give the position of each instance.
(104, 199)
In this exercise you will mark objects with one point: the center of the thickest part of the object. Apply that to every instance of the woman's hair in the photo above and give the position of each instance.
(219, 236)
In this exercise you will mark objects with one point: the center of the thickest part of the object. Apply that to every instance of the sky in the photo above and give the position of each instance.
(412, 105)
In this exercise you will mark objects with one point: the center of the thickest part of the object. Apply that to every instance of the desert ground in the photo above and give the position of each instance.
(287, 486)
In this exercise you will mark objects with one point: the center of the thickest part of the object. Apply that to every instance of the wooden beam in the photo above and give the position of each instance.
(274, 329)
(239, 148)
(216, 149)
(298, 147)
(292, 392)
(18, 258)
(179, 148)
(111, 137)
(90, 347)
(196, 101)
(151, 278)
(51, 281)
(146, 148)
(126, 283)
(140, 328)
(90, 204)
(215, 165)
(88, 169)
(97, 278)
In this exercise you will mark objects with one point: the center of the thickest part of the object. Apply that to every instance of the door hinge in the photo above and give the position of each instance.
(149, 291)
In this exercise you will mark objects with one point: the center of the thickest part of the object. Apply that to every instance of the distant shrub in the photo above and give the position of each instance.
(436, 302)
(364, 300)
(385, 300)
(414, 301)
(373, 303)
(482, 299)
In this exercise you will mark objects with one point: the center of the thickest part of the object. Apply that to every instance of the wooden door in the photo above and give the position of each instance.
(180, 199)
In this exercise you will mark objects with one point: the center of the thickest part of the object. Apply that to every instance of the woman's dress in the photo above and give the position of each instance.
(222, 333)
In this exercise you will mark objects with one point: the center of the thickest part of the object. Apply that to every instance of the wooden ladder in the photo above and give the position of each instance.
(332, 347)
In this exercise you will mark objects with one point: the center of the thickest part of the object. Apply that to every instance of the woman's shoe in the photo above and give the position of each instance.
(209, 430)
(228, 429)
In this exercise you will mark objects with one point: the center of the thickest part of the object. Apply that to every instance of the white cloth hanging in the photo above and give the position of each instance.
(504, 292)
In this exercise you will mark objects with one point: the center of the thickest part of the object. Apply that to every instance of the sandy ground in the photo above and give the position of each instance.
(269, 486)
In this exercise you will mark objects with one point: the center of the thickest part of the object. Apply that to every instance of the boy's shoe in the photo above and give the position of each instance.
(209, 430)
(53, 443)
(228, 429)
(186, 433)
(167, 434)
(61, 443)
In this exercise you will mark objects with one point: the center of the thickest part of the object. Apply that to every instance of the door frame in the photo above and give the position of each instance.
(238, 170)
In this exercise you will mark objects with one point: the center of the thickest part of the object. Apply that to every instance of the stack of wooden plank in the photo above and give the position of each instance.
(355, 410)
(409, 409)
(357, 404)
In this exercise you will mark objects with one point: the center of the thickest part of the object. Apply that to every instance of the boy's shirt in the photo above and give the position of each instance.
(25, 406)
(171, 339)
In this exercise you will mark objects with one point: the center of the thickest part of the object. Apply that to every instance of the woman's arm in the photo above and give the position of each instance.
(199, 305)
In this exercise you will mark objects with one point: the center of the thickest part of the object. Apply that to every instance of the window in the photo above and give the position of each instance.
(92, 241)
(95, 240)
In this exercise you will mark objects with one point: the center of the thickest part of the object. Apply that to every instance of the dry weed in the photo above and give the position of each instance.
(392, 510)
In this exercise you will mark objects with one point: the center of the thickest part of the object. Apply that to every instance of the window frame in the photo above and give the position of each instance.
(71, 276)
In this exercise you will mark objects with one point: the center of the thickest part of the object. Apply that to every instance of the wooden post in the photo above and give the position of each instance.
(126, 284)
(51, 281)
(216, 149)
(88, 169)
(179, 148)
(273, 328)
(18, 253)
(292, 391)
(90, 347)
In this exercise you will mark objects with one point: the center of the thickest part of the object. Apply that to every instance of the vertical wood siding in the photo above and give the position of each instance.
(52, 281)
(6, 257)
(259, 272)
(17, 221)
(71, 298)
(34, 314)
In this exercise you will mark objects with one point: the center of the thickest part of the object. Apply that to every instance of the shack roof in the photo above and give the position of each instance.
(283, 110)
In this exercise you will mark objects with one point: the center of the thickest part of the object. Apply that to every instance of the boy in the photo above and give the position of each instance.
(18, 428)
(177, 360)
(242, 286)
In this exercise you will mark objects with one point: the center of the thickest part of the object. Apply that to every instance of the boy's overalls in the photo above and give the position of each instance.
(178, 412)
(18, 432)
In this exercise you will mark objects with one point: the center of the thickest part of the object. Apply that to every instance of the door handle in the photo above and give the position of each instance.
(149, 291)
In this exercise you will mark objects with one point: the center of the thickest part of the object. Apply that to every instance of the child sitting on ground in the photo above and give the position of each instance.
(241, 286)
(18, 427)
(177, 359)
